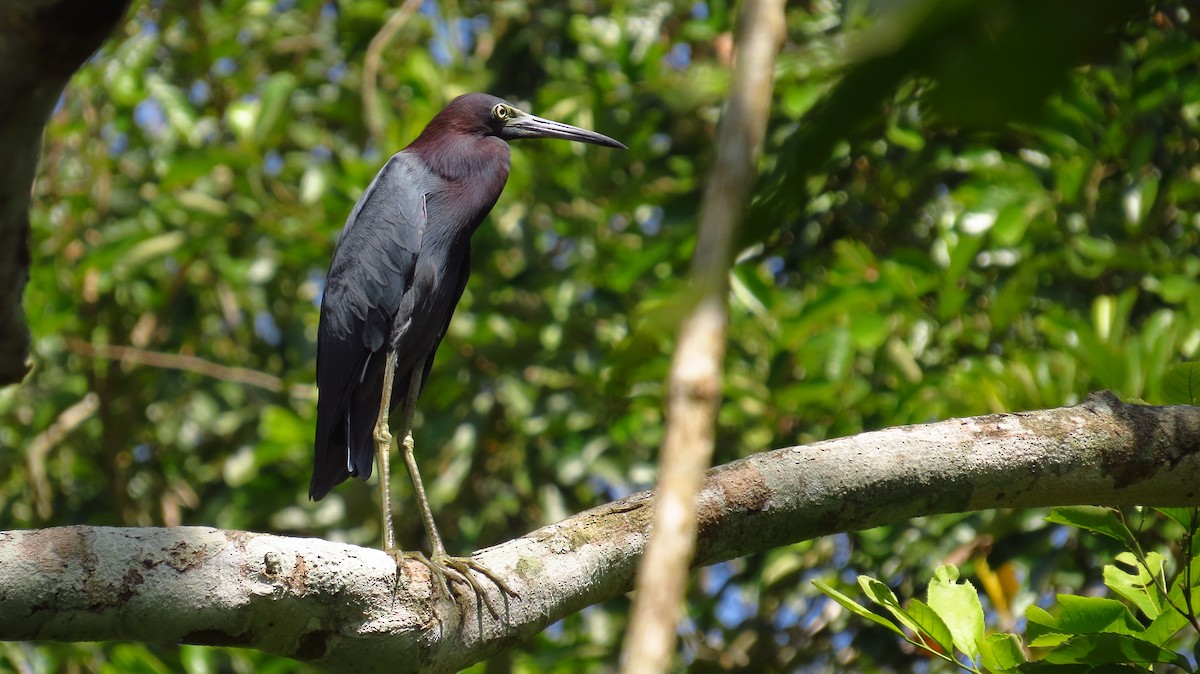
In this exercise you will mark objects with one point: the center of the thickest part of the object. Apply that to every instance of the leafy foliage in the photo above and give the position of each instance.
(1157, 618)
(932, 238)
(1181, 385)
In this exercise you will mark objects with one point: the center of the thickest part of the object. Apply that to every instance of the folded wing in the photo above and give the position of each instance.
(372, 269)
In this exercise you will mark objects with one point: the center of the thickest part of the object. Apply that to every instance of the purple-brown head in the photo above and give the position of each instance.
(486, 115)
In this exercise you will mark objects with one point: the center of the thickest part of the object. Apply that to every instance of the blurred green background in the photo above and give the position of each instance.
(968, 207)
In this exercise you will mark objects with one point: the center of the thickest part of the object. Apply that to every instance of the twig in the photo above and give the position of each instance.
(40, 446)
(694, 386)
(372, 62)
(175, 361)
(1187, 572)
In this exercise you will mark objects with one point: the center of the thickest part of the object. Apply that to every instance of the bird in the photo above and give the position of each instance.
(399, 268)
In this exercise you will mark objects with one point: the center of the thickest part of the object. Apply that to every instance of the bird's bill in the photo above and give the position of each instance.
(525, 125)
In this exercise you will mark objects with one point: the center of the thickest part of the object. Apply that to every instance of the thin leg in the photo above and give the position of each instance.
(383, 451)
(439, 563)
(436, 548)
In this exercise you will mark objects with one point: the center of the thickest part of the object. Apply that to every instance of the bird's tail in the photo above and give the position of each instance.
(329, 459)
(359, 453)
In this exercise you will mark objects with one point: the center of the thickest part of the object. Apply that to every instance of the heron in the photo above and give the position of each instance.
(399, 269)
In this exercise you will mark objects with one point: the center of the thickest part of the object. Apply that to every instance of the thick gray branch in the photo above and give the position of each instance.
(340, 606)
(42, 42)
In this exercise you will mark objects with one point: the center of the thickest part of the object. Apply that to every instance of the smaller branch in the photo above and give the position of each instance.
(372, 62)
(175, 361)
(39, 448)
(1160, 579)
(1187, 574)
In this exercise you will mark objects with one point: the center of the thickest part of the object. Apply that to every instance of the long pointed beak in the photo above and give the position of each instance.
(525, 125)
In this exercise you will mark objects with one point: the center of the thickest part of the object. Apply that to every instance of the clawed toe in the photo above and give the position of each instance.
(438, 574)
(445, 568)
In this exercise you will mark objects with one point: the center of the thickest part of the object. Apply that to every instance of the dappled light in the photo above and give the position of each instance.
(962, 209)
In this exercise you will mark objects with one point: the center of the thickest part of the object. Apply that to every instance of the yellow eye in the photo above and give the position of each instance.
(500, 112)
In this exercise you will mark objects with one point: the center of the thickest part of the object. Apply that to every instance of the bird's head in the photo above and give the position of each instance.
(486, 115)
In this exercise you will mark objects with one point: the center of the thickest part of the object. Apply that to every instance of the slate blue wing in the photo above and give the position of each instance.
(372, 269)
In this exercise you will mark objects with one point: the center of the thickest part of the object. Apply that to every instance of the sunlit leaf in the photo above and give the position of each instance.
(1002, 652)
(1042, 629)
(1092, 615)
(882, 595)
(958, 605)
(1097, 519)
(1136, 583)
(1184, 516)
(931, 626)
(856, 608)
(276, 94)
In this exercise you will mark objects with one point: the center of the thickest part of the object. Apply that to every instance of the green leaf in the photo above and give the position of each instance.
(1042, 629)
(749, 290)
(313, 184)
(1091, 615)
(132, 659)
(1001, 652)
(179, 113)
(958, 605)
(242, 117)
(1185, 516)
(1105, 649)
(276, 96)
(1181, 385)
(1092, 518)
(931, 625)
(1132, 581)
(881, 594)
(1165, 626)
(150, 248)
(906, 138)
(1043, 667)
(782, 564)
(856, 608)
(1181, 595)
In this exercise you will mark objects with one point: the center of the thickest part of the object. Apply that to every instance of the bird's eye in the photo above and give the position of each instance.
(500, 111)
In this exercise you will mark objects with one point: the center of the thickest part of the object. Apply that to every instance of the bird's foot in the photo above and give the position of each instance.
(443, 568)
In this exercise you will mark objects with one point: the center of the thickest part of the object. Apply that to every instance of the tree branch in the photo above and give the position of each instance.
(340, 607)
(694, 383)
(186, 363)
(39, 448)
(42, 43)
(372, 62)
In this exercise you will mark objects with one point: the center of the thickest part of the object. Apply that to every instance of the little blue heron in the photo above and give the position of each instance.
(398, 271)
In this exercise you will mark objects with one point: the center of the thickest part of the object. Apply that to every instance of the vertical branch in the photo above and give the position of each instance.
(372, 63)
(39, 449)
(694, 384)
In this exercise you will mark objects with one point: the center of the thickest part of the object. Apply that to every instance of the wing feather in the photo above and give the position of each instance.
(372, 268)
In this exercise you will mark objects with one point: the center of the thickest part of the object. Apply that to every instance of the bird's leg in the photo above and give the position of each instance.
(435, 540)
(436, 548)
(383, 452)
(440, 564)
